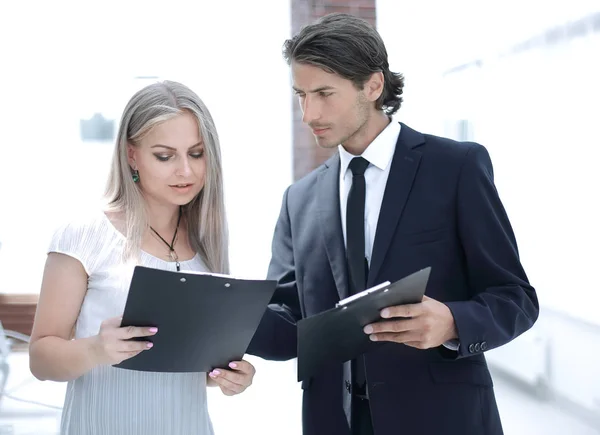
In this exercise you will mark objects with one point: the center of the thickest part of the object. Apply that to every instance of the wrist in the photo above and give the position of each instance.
(452, 332)
(94, 352)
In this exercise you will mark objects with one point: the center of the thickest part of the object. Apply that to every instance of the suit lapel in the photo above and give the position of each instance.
(402, 174)
(330, 222)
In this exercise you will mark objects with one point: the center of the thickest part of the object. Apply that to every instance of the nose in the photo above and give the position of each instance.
(310, 110)
(184, 168)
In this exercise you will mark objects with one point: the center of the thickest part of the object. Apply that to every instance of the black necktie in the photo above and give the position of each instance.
(355, 257)
(355, 226)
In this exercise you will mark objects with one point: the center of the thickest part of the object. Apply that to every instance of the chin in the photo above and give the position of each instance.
(326, 143)
(183, 200)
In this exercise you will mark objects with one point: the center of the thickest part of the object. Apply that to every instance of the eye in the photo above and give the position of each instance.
(162, 157)
(325, 94)
(197, 154)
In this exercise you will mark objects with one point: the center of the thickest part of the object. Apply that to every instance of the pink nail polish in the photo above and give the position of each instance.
(217, 373)
(232, 365)
(153, 329)
(149, 345)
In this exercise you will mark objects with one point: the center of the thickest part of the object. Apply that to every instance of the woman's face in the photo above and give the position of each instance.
(170, 161)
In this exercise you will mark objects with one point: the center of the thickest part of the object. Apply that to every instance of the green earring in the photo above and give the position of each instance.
(136, 176)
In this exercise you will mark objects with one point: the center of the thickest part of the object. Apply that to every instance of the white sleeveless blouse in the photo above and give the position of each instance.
(109, 400)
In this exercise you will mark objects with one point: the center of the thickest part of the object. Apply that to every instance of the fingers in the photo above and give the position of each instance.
(128, 332)
(228, 380)
(229, 376)
(398, 337)
(134, 346)
(114, 343)
(113, 326)
(236, 380)
(243, 366)
(420, 331)
(392, 326)
(409, 310)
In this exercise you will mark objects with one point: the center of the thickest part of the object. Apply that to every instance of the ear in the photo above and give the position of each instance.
(373, 88)
(131, 152)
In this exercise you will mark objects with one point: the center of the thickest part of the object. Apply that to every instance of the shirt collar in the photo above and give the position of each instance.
(379, 152)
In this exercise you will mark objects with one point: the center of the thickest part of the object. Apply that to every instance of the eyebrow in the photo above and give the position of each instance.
(322, 88)
(175, 149)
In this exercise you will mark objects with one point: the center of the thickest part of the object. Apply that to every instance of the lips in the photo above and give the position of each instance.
(181, 185)
(318, 131)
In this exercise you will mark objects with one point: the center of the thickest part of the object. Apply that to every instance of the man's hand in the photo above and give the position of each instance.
(424, 325)
(234, 381)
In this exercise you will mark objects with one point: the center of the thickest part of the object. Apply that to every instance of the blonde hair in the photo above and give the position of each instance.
(205, 214)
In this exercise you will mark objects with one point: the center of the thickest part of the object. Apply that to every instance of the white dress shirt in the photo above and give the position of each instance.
(379, 154)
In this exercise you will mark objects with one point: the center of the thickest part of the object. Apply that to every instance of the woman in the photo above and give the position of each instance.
(165, 210)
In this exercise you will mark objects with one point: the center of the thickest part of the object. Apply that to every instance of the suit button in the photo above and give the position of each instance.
(471, 348)
(483, 345)
(348, 387)
(477, 347)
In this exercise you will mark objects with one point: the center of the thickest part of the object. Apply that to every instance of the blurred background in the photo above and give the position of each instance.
(519, 77)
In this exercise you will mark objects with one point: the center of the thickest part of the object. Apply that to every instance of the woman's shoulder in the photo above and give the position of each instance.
(90, 223)
(86, 236)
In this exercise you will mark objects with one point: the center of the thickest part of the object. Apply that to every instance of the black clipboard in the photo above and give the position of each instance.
(336, 335)
(204, 321)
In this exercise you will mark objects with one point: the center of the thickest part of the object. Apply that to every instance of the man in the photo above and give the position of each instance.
(391, 202)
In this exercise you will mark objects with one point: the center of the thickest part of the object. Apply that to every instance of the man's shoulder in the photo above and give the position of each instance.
(308, 182)
(443, 155)
(449, 147)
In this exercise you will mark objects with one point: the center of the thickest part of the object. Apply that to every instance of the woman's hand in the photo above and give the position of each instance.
(234, 380)
(112, 345)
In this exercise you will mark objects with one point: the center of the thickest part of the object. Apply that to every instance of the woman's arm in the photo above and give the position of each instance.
(52, 353)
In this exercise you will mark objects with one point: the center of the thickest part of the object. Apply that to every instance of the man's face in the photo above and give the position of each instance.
(332, 106)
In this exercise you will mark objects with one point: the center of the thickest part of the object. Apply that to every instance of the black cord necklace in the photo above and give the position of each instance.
(171, 246)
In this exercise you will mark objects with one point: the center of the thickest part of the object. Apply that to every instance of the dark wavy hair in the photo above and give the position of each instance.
(350, 47)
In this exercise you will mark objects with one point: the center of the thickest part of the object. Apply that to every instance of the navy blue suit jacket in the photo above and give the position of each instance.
(440, 209)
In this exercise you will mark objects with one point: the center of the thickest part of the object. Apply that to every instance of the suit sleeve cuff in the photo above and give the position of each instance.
(453, 344)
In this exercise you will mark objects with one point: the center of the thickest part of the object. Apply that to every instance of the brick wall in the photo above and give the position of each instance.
(307, 155)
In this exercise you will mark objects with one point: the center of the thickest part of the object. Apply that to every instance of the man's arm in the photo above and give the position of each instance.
(504, 304)
(276, 336)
